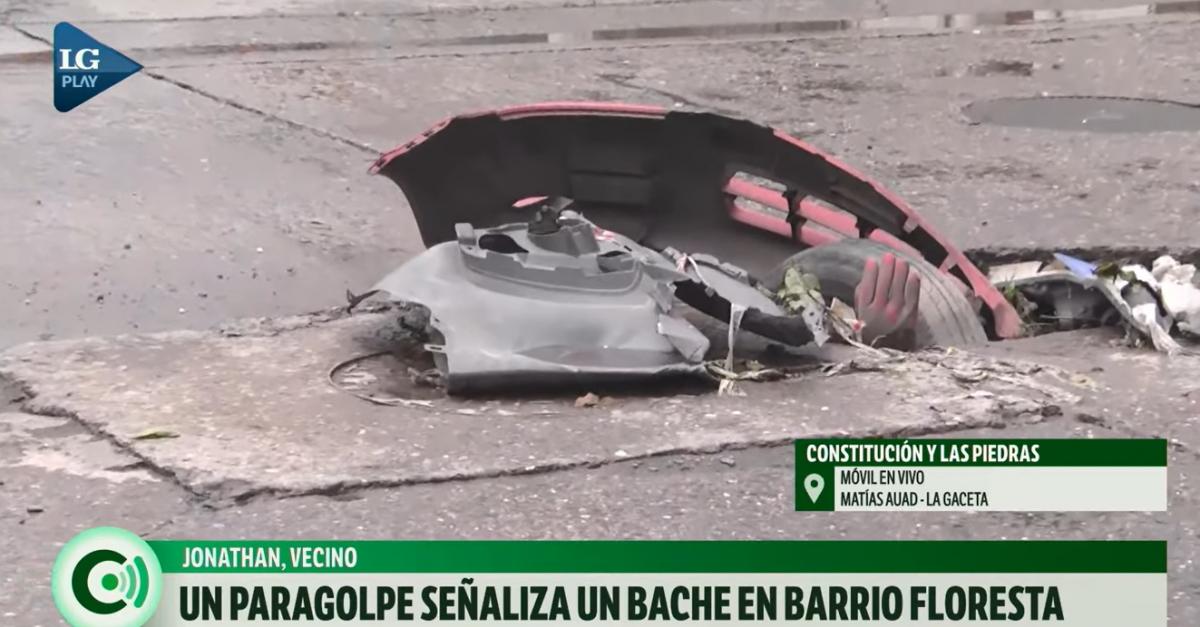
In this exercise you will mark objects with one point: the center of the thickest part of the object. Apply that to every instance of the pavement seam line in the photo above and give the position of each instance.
(216, 493)
(50, 411)
(235, 104)
(633, 85)
(213, 498)
(1090, 418)
(32, 36)
(259, 112)
(346, 487)
(624, 45)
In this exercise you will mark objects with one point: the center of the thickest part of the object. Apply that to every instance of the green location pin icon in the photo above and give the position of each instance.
(813, 485)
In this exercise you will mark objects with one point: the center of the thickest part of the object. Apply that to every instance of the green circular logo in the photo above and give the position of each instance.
(106, 577)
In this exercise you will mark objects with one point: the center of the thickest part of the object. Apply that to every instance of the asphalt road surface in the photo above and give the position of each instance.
(229, 179)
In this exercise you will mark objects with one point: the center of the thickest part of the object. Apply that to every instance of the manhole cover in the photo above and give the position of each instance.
(1099, 114)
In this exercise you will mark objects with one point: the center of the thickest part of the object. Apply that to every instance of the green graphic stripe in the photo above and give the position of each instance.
(467, 557)
(1059, 452)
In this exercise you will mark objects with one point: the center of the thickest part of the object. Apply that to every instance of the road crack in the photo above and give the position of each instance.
(1090, 418)
(158, 76)
(29, 405)
(259, 112)
(675, 97)
(347, 488)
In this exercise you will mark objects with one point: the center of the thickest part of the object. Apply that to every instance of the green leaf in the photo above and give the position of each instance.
(156, 434)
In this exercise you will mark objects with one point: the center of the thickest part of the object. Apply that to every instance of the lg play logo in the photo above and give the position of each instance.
(84, 67)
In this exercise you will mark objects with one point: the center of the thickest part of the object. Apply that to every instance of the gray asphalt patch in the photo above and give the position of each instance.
(1087, 113)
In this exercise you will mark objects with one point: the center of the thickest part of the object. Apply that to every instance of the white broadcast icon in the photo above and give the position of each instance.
(106, 577)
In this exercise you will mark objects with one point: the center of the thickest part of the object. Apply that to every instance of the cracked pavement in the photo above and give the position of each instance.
(235, 433)
(228, 181)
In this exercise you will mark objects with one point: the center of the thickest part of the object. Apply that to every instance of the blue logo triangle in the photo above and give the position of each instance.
(84, 67)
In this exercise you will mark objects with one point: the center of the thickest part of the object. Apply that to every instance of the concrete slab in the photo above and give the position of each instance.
(57, 479)
(256, 414)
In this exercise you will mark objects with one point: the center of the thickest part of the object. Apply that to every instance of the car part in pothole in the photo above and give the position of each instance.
(945, 316)
(1071, 292)
(646, 183)
(559, 300)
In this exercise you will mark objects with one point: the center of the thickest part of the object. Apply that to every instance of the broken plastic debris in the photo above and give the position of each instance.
(735, 324)
(1073, 293)
(1005, 273)
(729, 387)
(729, 377)
(1081, 268)
(969, 376)
(1136, 293)
(1179, 293)
(728, 383)
(845, 322)
(353, 378)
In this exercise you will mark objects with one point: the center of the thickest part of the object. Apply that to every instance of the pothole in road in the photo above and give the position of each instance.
(1095, 114)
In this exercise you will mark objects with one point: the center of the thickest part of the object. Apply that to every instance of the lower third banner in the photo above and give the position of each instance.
(109, 576)
(1093, 584)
